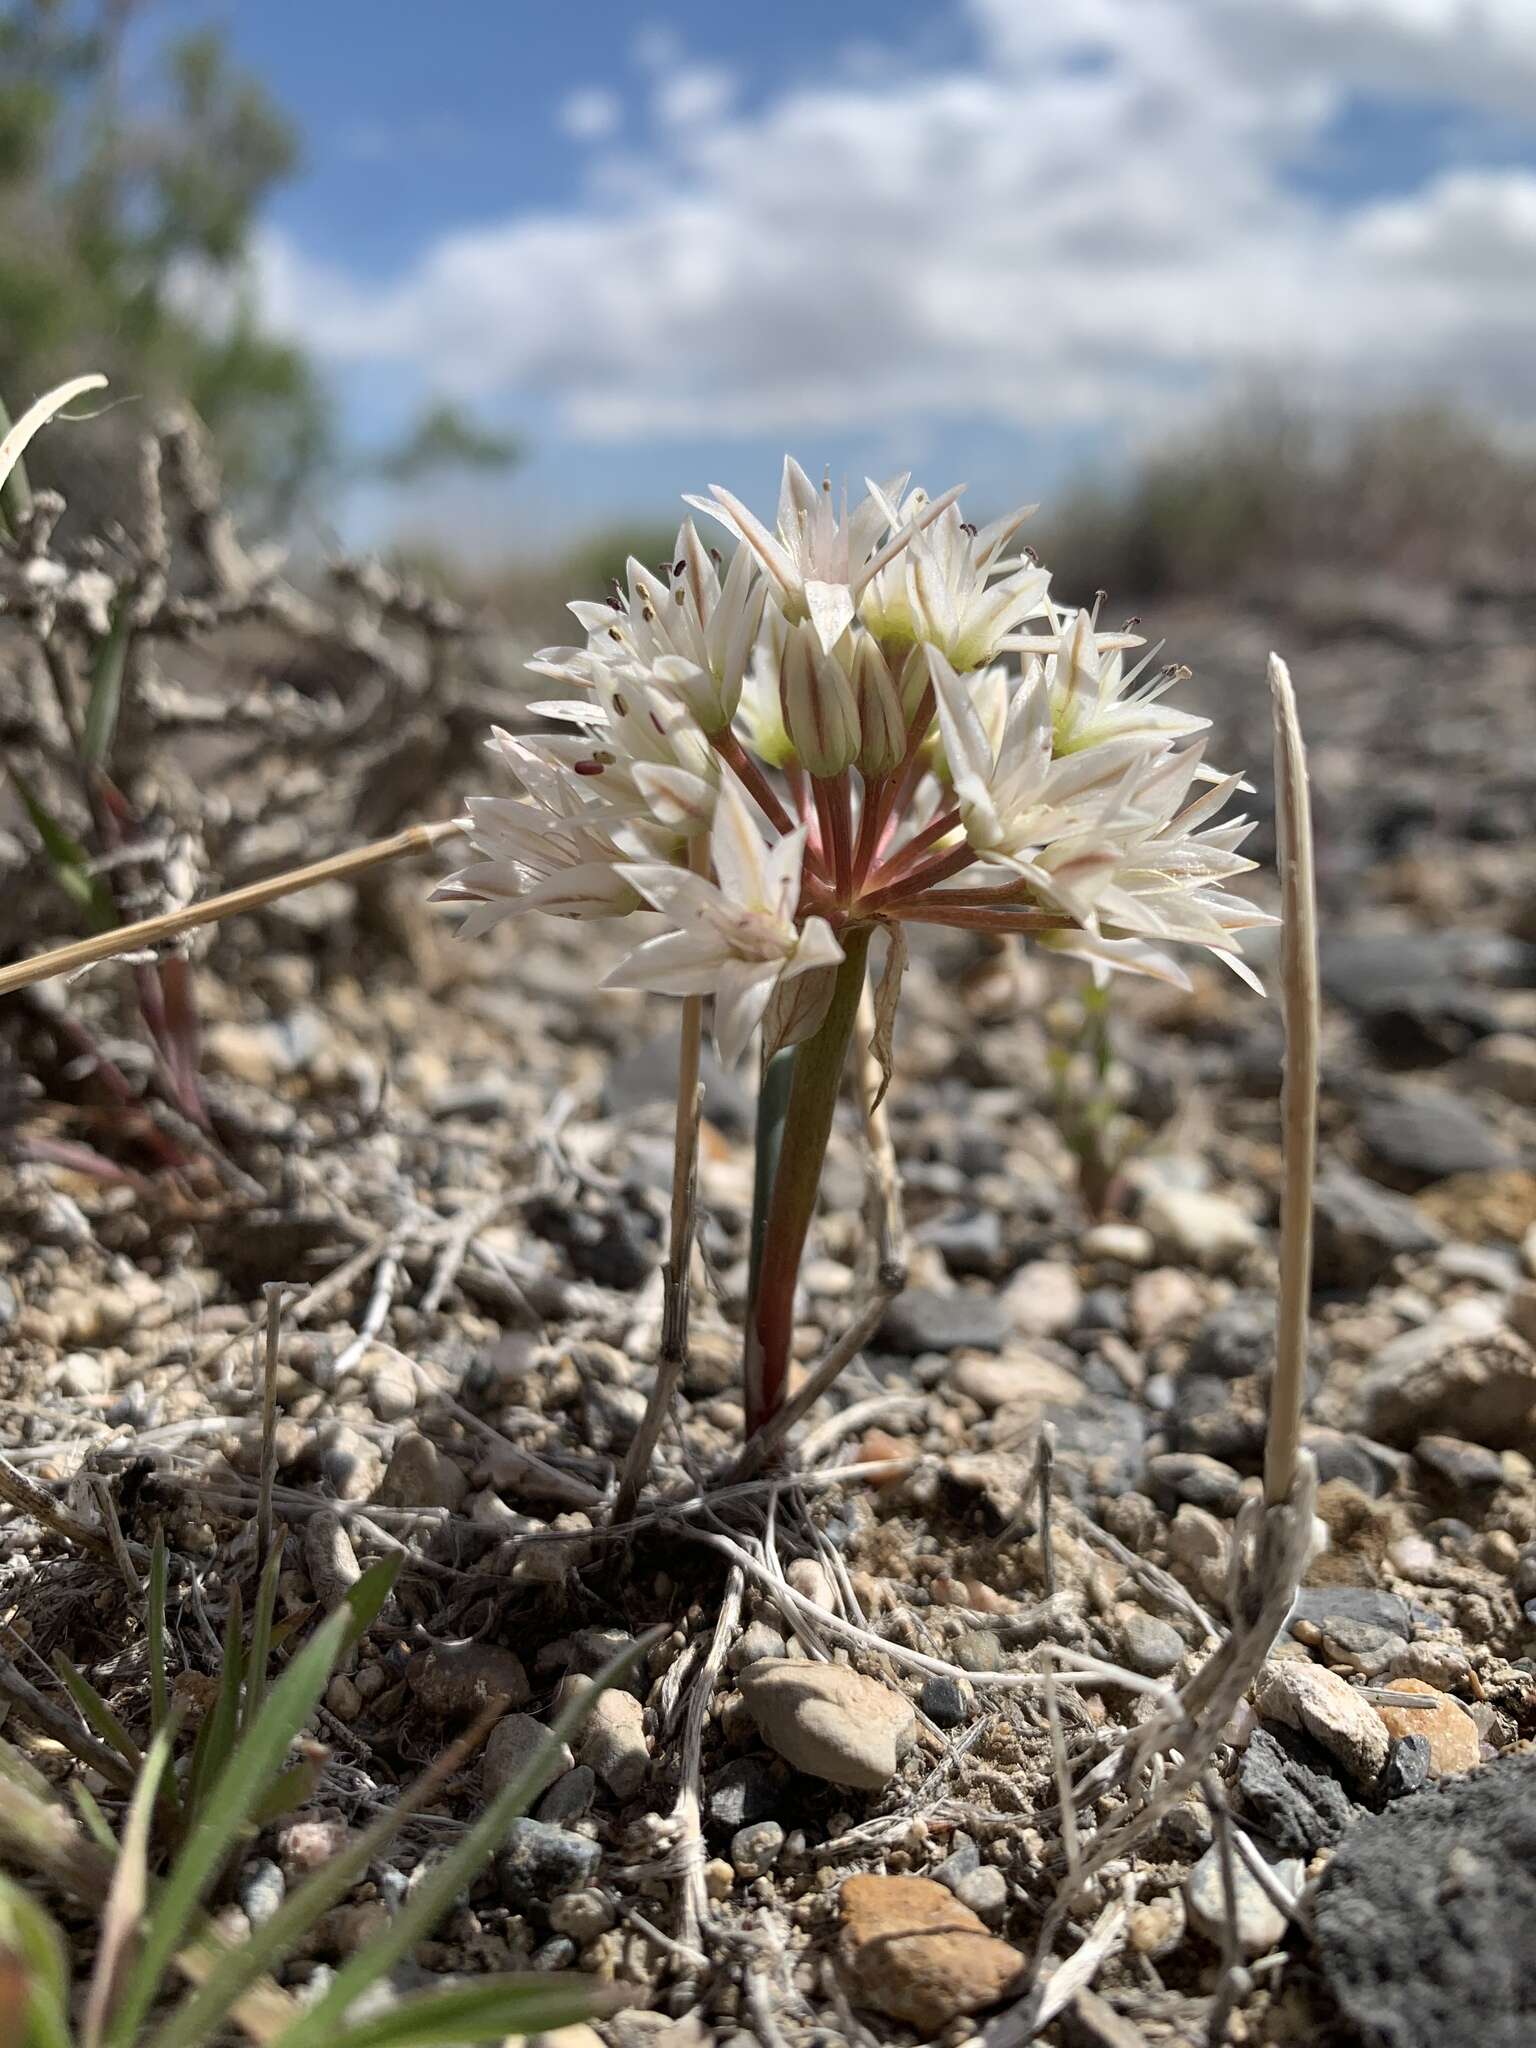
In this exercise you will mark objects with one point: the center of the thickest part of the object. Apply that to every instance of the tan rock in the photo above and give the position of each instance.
(1327, 1707)
(1452, 1735)
(912, 1951)
(1483, 1390)
(830, 1721)
(1010, 1382)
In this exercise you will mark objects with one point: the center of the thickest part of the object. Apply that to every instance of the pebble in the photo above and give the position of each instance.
(1152, 1647)
(1483, 1389)
(923, 1319)
(580, 2035)
(392, 1392)
(1468, 1468)
(1358, 1229)
(970, 1242)
(756, 1849)
(259, 1890)
(330, 1559)
(1421, 1135)
(1259, 1921)
(1156, 1927)
(1444, 1724)
(1290, 1795)
(1161, 1301)
(537, 1861)
(1204, 1230)
(583, 1914)
(569, 1797)
(985, 1891)
(753, 1645)
(830, 1721)
(1043, 1298)
(913, 1952)
(310, 1840)
(613, 1743)
(459, 1679)
(1407, 1767)
(945, 1700)
(1236, 1341)
(1204, 1482)
(510, 1747)
(746, 1789)
(1123, 1244)
(419, 1475)
(1327, 1707)
(962, 1859)
(1011, 1382)
(978, 1649)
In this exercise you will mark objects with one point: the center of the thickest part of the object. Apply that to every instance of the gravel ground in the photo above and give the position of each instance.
(459, 1158)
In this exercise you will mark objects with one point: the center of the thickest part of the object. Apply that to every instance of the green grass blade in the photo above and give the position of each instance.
(216, 1737)
(217, 1825)
(364, 1602)
(97, 1826)
(67, 857)
(159, 1691)
(95, 1712)
(261, 1634)
(124, 1908)
(431, 1898)
(105, 699)
(34, 1972)
(488, 2011)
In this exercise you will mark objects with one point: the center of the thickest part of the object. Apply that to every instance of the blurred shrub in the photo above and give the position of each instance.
(1268, 489)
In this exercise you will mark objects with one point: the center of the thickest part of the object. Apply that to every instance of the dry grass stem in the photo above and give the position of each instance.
(1298, 1099)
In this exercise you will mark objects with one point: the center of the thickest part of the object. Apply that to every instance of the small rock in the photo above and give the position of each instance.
(753, 1645)
(538, 1861)
(756, 1849)
(970, 1242)
(453, 1680)
(1359, 1229)
(511, 1747)
(310, 1840)
(1505, 1062)
(1043, 1298)
(1204, 1482)
(578, 2036)
(1156, 1927)
(1293, 1801)
(985, 1891)
(1426, 1134)
(924, 1320)
(1468, 1468)
(830, 1721)
(1484, 1390)
(1122, 1244)
(613, 1743)
(81, 1374)
(259, 1890)
(392, 1394)
(1260, 1923)
(1407, 1767)
(1444, 1724)
(978, 1649)
(744, 1790)
(1420, 1918)
(914, 1952)
(583, 1914)
(944, 1700)
(1011, 1382)
(1204, 1230)
(1152, 1647)
(569, 1797)
(962, 1859)
(1162, 1301)
(419, 1475)
(1325, 1706)
(1237, 1341)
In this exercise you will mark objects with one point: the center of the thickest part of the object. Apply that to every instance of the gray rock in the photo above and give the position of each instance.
(1289, 1794)
(1237, 1341)
(1468, 1468)
(1152, 1647)
(649, 1075)
(1407, 1767)
(745, 1790)
(537, 1861)
(985, 1891)
(1422, 1919)
(756, 1849)
(944, 1700)
(1260, 1923)
(1423, 1135)
(1358, 1229)
(1483, 1389)
(979, 1649)
(831, 1721)
(569, 1797)
(970, 1242)
(958, 1865)
(755, 1642)
(419, 1475)
(511, 1747)
(459, 1679)
(1204, 1482)
(924, 1320)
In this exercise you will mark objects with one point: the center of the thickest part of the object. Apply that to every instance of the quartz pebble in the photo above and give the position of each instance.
(419, 1475)
(1260, 1924)
(830, 1721)
(911, 1950)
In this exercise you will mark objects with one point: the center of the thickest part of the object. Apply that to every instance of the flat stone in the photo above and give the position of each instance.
(419, 1475)
(648, 1075)
(1260, 1924)
(511, 1747)
(746, 1789)
(1200, 1229)
(1237, 1341)
(1421, 1918)
(1426, 1134)
(537, 1861)
(970, 1241)
(1468, 1468)
(912, 1951)
(454, 1680)
(923, 1319)
(1444, 1724)
(1121, 1244)
(1320, 1703)
(1483, 1390)
(1148, 1645)
(1043, 1298)
(1163, 1301)
(612, 1743)
(1289, 1794)
(830, 1721)
(1358, 1229)
(1175, 1476)
(1008, 1382)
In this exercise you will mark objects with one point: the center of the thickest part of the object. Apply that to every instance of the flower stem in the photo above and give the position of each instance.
(807, 1125)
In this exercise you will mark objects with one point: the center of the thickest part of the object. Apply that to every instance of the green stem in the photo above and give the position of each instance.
(805, 1129)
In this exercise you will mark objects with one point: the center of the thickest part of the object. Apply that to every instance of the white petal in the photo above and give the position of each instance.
(741, 996)
(831, 608)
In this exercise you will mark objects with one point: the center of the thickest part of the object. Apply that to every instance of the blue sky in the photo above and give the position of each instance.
(1000, 239)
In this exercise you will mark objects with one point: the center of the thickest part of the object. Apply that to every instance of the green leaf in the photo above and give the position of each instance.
(98, 1716)
(67, 857)
(102, 705)
(97, 1826)
(487, 2011)
(365, 1599)
(261, 1633)
(124, 1908)
(289, 1790)
(34, 1972)
(241, 1785)
(216, 1737)
(437, 1889)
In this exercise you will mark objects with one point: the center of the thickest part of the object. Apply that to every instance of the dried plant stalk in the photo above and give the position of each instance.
(1298, 1097)
(153, 931)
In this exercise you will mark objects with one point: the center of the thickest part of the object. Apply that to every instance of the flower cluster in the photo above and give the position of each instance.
(876, 716)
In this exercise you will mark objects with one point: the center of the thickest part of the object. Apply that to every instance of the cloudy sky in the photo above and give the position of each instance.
(998, 239)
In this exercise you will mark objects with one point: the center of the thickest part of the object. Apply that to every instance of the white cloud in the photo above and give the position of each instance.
(1091, 223)
(591, 114)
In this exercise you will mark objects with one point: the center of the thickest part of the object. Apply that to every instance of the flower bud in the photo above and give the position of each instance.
(882, 726)
(820, 713)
